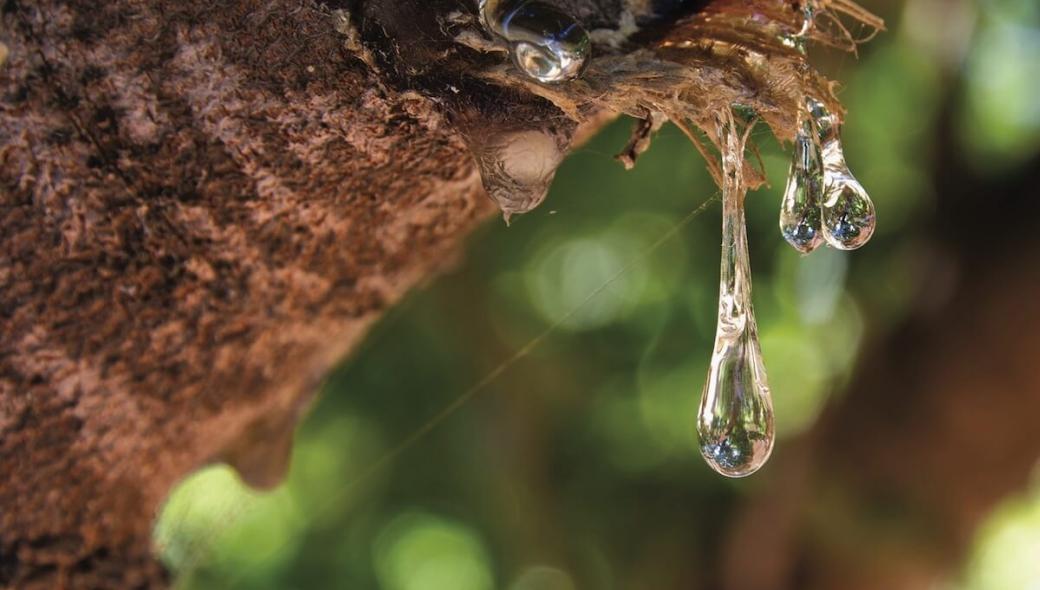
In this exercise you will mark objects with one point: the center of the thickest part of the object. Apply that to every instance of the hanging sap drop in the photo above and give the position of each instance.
(847, 213)
(546, 43)
(516, 166)
(800, 209)
(735, 419)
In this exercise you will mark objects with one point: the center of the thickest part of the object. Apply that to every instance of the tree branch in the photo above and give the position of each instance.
(206, 204)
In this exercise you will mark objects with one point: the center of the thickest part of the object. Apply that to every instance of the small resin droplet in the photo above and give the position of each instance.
(517, 167)
(735, 419)
(800, 209)
(546, 43)
(847, 213)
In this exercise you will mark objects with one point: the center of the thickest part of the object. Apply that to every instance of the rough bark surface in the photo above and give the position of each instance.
(204, 205)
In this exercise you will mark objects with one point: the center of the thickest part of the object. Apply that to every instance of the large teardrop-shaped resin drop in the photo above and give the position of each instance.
(800, 208)
(847, 213)
(545, 43)
(735, 419)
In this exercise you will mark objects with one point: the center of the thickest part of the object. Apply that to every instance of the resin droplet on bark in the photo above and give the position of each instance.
(546, 43)
(517, 167)
(735, 419)
(847, 213)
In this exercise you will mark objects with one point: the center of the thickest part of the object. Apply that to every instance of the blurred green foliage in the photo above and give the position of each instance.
(1008, 547)
(577, 467)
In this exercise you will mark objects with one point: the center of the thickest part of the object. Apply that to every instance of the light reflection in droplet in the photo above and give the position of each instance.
(735, 419)
(545, 43)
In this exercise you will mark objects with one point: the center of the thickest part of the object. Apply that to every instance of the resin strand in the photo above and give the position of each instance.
(735, 419)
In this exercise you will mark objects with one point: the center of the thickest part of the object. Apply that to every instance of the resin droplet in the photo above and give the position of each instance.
(735, 419)
(546, 43)
(847, 213)
(517, 167)
(800, 209)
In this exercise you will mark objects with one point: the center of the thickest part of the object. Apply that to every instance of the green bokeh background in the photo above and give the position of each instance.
(577, 466)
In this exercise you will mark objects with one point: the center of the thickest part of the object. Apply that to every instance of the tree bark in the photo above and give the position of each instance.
(206, 204)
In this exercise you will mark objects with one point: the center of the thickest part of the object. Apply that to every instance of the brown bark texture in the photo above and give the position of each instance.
(204, 204)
